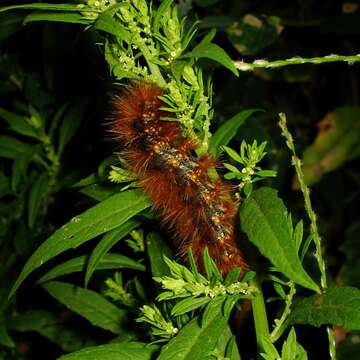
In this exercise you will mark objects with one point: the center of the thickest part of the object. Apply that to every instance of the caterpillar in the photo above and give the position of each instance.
(198, 209)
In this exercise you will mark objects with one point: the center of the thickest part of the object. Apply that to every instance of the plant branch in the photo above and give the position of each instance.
(280, 324)
(262, 63)
(312, 217)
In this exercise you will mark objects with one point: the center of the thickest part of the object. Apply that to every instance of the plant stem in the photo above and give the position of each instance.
(259, 315)
(280, 324)
(261, 63)
(312, 217)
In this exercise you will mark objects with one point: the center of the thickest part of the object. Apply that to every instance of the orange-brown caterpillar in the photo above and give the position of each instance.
(197, 208)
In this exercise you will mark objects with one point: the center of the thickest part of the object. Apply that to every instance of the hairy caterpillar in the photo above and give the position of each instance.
(198, 209)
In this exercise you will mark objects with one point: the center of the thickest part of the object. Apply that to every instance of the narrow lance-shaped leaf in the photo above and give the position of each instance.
(117, 351)
(195, 342)
(89, 304)
(38, 191)
(99, 219)
(109, 261)
(11, 23)
(189, 304)
(216, 53)
(228, 130)
(58, 16)
(106, 243)
(71, 121)
(226, 346)
(18, 123)
(291, 349)
(47, 6)
(106, 22)
(50, 326)
(157, 248)
(263, 218)
(11, 148)
(5, 338)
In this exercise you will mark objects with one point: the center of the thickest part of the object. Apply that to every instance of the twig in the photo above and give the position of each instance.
(280, 324)
(262, 63)
(312, 216)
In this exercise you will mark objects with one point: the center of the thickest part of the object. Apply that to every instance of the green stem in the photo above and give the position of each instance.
(259, 315)
(281, 324)
(261, 63)
(312, 217)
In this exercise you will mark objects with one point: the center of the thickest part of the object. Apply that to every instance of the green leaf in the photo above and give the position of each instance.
(263, 218)
(350, 271)
(291, 350)
(226, 346)
(49, 326)
(189, 304)
(71, 121)
(116, 351)
(88, 180)
(160, 14)
(305, 246)
(32, 320)
(89, 304)
(12, 148)
(38, 190)
(21, 240)
(18, 123)
(298, 234)
(233, 154)
(105, 244)
(211, 270)
(109, 261)
(95, 221)
(208, 38)
(106, 22)
(156, 249)
(270, 352)
(55, 119)
(337, 306)
(194, 342)
(280, 290)
(57, 16)
(232, 276)
(100, 192)
(10, 24)
(338, 141)
(5, 338)
(4, 184)
(229, 303)
(216, 53)
(47, 6)
(19, 168)
(232, 351)
(226, 132)
(251, 34)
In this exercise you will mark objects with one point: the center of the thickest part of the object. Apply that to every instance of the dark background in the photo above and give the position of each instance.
(57, 62)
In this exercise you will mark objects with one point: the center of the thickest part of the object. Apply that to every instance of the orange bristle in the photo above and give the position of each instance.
(198, 209)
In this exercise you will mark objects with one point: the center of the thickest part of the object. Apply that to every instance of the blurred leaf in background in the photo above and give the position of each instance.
(251, 33)
(337, 141)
